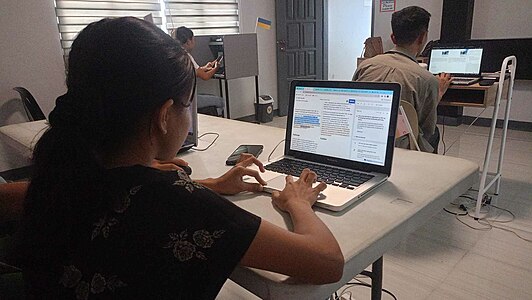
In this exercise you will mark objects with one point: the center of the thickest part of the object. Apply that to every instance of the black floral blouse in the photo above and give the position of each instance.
(167, 237)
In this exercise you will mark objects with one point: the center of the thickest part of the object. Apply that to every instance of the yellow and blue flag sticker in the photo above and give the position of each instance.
(266, 24)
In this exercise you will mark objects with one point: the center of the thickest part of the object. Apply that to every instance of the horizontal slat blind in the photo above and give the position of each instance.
(74, 15)
(204, 17)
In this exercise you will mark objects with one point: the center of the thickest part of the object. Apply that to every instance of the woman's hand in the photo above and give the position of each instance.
(232, 181)
(298, 192)
(169, 165)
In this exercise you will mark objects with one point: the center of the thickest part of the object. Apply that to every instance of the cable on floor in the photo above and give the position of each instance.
(489, 223)
(365, 284)
(207, 133)
(507, 229)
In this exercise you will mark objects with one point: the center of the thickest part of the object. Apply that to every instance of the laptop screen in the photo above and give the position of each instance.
(463, 61)
(341, 122)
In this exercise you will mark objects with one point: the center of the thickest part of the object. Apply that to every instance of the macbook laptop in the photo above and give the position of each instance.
(192, 136)
(463, 63)
(342, 130)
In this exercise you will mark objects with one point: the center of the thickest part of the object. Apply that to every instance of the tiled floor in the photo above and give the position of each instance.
(448, 260)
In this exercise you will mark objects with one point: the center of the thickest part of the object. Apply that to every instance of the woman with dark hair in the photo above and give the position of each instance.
(186, 37)
(99, 222)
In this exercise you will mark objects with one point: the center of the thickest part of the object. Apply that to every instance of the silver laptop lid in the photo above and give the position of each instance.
(458, 61)
(192, 137)
(343, 123)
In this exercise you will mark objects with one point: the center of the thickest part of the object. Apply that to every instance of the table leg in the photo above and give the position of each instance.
(227, 99)
(376, 279)
(257, 99)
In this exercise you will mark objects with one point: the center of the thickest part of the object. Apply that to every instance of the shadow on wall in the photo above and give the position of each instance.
(12, 112)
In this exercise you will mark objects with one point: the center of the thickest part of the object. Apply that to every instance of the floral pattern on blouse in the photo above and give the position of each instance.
(105, 223)
(72, 276)
(126, 201)
(185, 181)
(103, 226)
(184, 249)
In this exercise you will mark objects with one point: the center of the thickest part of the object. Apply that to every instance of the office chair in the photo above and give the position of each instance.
(211, 105)
(372, 47)
(33, 111)
(411, 115)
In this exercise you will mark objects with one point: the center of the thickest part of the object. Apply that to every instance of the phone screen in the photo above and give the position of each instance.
(256, 150)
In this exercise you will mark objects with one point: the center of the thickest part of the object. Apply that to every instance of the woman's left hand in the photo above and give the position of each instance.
(169, 165)
(232, 181)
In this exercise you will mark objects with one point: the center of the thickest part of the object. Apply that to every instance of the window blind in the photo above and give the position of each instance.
(204, 17)
(74, 15)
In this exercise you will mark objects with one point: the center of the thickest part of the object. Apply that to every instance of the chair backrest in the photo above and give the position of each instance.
(31, 106)
(373, 46)
(411, 115)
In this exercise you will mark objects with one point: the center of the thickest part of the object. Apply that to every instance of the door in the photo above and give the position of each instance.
(300, 44)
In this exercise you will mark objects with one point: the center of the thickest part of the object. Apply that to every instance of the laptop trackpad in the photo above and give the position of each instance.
(275, 184)
(278, 183)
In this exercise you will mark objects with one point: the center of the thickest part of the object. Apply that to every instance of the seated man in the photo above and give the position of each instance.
(418, 86)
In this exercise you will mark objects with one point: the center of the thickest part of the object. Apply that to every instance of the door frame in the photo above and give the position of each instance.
(324, 37)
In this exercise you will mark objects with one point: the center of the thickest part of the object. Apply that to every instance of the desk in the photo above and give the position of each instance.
(365, 230)
(473, 95)
(23, 136)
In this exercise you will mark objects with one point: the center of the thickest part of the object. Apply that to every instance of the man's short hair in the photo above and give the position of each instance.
(409, 23)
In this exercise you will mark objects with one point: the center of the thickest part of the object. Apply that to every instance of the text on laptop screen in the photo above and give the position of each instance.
(343, 123)
(455, 61)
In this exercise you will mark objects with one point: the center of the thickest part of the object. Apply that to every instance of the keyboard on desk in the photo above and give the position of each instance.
(335, 176)
(464, 80)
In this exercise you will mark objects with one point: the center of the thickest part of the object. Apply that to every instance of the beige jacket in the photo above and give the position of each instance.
(418, 86)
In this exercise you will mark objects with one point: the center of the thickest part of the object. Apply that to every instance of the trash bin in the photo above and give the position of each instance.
(265, 109)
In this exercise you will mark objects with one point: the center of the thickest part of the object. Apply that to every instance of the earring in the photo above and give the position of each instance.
(165, 131)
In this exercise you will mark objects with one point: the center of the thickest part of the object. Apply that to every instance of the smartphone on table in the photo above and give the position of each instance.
(256, 150)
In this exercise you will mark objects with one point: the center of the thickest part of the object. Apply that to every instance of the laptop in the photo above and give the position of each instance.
(463, 63)
(342, 130)
(192, 136)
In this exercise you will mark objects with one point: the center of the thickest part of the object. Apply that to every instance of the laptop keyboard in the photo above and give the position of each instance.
(464, 80)
(330, 175)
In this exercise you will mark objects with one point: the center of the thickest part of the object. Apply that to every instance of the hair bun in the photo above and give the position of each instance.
(64, 115)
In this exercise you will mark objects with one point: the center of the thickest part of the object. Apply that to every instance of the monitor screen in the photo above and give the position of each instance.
(455, 61)
(346, 123)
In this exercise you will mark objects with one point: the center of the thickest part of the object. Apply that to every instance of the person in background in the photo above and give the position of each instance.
(418, 86)
(100, 222)
(186, 37)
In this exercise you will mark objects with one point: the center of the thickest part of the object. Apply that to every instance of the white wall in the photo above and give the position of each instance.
(491, 19)
(495, 19)
(30, 52)
(382, 22)
(349, 25)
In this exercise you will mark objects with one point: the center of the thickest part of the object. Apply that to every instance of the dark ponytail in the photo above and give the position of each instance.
(120, 71)
(182, 34)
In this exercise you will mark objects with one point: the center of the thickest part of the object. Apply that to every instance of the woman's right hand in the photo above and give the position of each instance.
(318, 258)
(299, 192)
